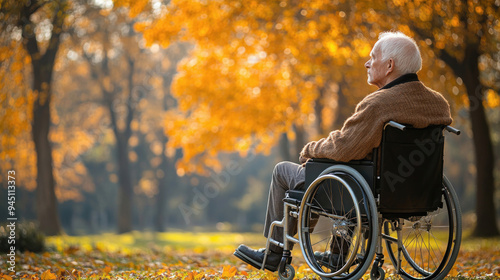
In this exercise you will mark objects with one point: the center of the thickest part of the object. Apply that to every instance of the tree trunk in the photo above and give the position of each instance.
(167, 165)
(125, 193)
(318, 111)
(300, 141)
(483, 148)
(161, 197)
(342, 112)
(46, 201)
(43, 66)
(284, 147)
(168, 176)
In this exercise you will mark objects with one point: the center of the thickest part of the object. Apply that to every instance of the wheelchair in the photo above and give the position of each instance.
(400, 198)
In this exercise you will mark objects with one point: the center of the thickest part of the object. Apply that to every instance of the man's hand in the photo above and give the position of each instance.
(303, 159)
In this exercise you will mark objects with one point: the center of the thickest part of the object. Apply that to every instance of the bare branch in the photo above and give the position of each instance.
(57, 24)
(28, 33)
(36, 5)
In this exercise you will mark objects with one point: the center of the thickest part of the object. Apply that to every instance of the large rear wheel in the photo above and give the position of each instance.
(338, 224)
(430, 244)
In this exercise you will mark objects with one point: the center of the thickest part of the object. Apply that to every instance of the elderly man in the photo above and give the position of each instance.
(394, 61)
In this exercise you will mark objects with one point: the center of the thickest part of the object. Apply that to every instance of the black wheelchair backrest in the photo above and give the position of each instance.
(411, 170)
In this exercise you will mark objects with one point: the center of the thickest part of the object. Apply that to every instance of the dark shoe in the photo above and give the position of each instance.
(256, 257)
(336, 257)
(332, 261)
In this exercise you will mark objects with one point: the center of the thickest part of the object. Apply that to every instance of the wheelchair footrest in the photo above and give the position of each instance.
(294, 197)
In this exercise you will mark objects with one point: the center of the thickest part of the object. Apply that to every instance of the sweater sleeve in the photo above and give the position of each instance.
(360, 134)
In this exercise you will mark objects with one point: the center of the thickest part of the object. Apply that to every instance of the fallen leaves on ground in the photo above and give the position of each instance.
(478, 259)
(98, 264)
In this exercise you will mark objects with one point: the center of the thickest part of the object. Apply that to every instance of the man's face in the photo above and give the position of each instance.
(376, 68)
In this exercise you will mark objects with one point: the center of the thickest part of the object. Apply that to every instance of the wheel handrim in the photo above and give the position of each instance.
(338, 225)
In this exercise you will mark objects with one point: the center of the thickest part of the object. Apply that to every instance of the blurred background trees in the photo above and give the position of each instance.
(161, 115)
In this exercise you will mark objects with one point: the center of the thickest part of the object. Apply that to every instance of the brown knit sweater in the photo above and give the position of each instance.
(408, 103)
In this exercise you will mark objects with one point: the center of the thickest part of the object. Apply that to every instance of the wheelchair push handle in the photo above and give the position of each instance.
(403, 127)
(452, 130)
(397, 125)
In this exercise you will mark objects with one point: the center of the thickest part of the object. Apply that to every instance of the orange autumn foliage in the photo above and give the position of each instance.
(255, 71)
(257, 68)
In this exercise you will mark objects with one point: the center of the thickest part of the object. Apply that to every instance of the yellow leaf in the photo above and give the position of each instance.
(6, 277)
(228, 271)
(107, 269)
(492, 99)
(199, 275)
(190, 276)
(47, 275)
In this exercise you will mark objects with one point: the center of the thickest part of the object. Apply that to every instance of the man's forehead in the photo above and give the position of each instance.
(375, 50)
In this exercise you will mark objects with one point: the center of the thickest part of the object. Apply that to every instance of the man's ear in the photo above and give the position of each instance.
(390, 66)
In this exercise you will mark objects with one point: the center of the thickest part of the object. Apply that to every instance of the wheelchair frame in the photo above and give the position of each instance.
(298, 204)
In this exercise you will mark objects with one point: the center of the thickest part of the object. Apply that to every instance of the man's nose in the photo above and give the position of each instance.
(367, 64)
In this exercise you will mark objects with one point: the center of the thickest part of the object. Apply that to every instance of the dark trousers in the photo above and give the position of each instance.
(286, 176)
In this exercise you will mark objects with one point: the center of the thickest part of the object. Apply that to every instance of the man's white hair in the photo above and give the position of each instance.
(402, 49)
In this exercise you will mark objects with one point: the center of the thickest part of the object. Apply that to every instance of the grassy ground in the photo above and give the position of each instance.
(185, 255)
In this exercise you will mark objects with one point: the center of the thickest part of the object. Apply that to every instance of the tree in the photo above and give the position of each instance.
(167, 176)
(68, 137)
(464, 34)
(42, 48)
(115, 77)
(255, 72)
(126, 80)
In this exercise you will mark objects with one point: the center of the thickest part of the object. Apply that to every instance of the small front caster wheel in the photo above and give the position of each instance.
(379, 274)
(288, 273)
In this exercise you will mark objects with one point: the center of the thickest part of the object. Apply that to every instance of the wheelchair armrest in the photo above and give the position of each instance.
(294, 196)
(314, 167)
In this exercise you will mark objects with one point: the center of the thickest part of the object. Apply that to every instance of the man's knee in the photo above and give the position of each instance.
(280, 169)
(287, 175)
